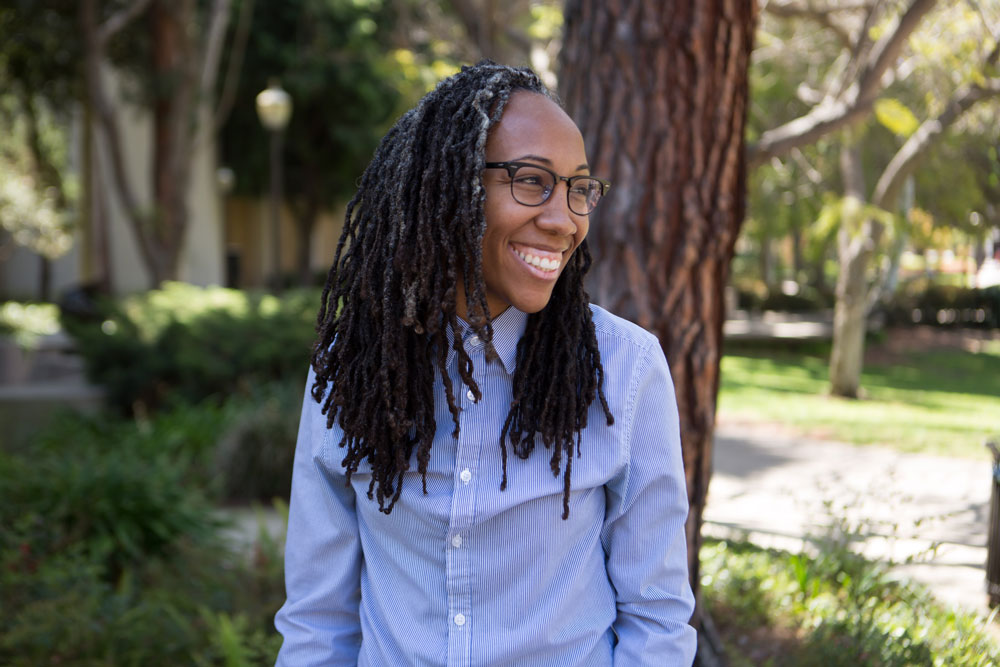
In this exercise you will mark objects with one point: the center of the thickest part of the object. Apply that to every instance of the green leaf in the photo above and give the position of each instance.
(896, 117)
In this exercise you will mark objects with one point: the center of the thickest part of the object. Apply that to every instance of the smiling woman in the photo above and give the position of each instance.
(412, 538)
(530, 234)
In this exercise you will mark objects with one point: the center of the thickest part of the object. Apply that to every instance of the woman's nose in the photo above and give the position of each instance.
(554, 215)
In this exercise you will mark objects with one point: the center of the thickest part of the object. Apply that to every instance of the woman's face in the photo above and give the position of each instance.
(519, 238)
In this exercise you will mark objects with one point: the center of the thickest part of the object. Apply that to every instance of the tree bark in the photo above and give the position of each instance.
(305, 211)
(173, 116)
(855, 249)
(659, 91)
(95, 37)
(178, 64)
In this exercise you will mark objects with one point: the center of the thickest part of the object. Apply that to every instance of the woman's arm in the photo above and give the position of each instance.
(644, 533)
(319, 619)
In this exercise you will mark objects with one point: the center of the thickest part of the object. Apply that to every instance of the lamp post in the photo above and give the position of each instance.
(274, 107)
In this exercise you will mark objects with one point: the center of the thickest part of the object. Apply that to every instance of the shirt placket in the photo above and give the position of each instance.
(466, 482)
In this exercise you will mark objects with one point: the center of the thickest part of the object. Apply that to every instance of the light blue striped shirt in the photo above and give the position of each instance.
(471, 575)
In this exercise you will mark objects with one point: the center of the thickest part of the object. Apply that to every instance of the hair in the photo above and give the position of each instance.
(412, 231)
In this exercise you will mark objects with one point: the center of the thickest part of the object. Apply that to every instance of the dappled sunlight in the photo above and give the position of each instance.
(944, 401)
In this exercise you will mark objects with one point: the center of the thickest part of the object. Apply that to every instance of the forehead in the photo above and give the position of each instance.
(533, 124)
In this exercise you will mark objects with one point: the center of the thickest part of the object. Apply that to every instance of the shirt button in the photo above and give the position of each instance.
(469, 395)
(456, 541)
(474, 341)
(465, 476)
(460, 619)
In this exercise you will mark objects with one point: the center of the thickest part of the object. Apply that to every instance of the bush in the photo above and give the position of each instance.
(833, 608)
(190, 343)
(755, 296)
(111, 554)
(254, 456)
(923, 302)
(118, 507)
(27, 322)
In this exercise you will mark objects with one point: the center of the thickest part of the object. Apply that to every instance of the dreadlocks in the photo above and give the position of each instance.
(412, 231)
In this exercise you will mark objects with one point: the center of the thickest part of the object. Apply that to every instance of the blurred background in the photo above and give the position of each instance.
(173, 178)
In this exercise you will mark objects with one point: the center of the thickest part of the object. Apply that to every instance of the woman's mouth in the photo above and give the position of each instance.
(543, 262)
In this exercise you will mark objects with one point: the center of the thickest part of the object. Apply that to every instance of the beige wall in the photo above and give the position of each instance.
(248, 236)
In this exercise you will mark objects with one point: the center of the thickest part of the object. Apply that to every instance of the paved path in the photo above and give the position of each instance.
(777, 488)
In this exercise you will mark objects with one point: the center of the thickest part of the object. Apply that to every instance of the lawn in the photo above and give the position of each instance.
(935, 399)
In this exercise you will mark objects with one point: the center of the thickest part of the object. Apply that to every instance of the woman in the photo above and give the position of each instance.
(455, 327)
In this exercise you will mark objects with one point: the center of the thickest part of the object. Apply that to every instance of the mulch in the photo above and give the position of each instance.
(901, 341)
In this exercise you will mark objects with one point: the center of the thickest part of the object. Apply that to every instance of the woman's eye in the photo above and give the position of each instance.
(529, 179)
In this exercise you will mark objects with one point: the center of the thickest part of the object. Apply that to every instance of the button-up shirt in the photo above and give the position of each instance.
(467, 574)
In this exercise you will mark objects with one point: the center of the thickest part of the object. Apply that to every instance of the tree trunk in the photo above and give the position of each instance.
(860, 234)
(176, 57)
(849, 314)
(305, 216)
(659, 91)
(857, 240)
(765, 260)
(170, 25)
(798, 265)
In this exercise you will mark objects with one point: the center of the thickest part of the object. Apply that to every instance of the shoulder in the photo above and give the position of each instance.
(630, 356)
(616, 332)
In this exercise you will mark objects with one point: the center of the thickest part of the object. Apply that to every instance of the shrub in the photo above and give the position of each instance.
(203, 606)
(27, 322)
(119, 507)
(255, 454)
(191, 343)
(110, 553)
(923, 302)
(837, 608)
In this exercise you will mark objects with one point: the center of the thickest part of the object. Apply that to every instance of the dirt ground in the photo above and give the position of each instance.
(899, 341)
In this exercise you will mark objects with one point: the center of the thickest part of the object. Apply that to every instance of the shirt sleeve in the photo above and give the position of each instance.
(320, 618)
(643, 533)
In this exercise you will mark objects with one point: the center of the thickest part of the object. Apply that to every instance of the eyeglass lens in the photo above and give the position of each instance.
(532, 186)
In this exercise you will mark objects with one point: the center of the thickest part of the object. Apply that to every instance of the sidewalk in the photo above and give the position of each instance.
(777, 488)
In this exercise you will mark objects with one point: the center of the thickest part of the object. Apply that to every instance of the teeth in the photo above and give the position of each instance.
(542, 263)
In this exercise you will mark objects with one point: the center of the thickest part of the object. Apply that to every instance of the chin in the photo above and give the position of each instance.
(532, 304)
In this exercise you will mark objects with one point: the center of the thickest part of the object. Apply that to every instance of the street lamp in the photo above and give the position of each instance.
(274, 107)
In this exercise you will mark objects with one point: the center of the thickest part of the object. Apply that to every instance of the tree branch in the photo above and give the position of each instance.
(906, 158)
(823, 16)
(861, 47)
(853, 103)
(108, 121)
(823, 118)
(887, 49)
(229, 84)
(215, 37)
(119, 20)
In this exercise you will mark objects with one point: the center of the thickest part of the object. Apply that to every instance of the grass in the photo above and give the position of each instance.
(940, 400)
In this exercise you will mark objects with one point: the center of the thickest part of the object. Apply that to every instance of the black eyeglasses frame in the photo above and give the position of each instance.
(513, 166)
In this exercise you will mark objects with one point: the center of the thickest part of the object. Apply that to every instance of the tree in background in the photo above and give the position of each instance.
(351, 67)
(39, 79)
(171, 52)
(659, 91)
(870, 53)
(346, 88)
(516, 32)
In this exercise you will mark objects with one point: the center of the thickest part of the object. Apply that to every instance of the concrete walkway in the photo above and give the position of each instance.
(777, 489)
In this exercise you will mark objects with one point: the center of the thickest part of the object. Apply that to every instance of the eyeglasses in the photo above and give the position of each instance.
(532, 185)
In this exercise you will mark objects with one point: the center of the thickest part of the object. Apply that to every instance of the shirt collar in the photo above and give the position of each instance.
(508, 327)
